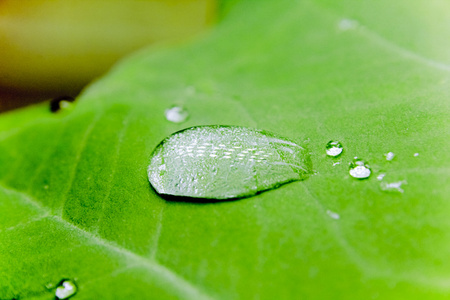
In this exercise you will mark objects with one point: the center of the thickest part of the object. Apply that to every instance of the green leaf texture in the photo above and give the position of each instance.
(375, 75)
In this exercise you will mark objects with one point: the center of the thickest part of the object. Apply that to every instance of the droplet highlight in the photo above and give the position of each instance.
(416, 154)
(66, 289)
(176, 114)
(359, 169)
(237, 162)
(334, 148)
(389, 156)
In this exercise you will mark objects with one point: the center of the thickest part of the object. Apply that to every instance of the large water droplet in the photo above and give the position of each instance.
(223, 162)
(66, 289)
(392, 186)
(334, 148)
(359, 169)
(176, 114)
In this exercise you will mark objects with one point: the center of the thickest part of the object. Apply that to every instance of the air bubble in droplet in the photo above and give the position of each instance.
(334, 148)
(333, 214)
(176, 114)
(392, 186)
(223, 174)
(359, 169)
(66, 289)
(389, 156)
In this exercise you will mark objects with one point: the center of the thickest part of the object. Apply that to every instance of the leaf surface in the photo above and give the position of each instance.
(76, 202)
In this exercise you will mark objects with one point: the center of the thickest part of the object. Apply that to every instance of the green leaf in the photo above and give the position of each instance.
(76, 202)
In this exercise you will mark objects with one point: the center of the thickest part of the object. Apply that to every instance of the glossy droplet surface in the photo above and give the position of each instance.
(223, 162)
(66, 289)
(334, 148)
(176, 114)
(359, 169)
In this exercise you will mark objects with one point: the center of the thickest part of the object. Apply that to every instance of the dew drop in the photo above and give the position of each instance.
(225, 174)
(416, 154)
(347, 24)
(334, 148)
(66, 289)
(389, 156)
(61, 103)
(359, 169)
(392, 186)
(381, 176)
(333, 215)
(176, 114)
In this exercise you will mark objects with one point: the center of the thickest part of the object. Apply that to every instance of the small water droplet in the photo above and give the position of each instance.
(347, 24)
(336, 163)
(381, 176)
(226, 174)
(190, 90)
(50, 286)
(66, 289)
(416, 154)
(176, 114)
(389, 156)
(333, 215)
(359, 169)
(61, 103)
(392, 186)
(334, 148)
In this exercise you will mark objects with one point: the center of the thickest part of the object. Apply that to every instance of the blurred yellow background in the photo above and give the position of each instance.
(50, 48)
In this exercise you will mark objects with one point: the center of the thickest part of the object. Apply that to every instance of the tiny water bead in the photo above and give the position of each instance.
(225, 162)
(359, 169)
(333, 215)
(334, 148)
(381, 176)
(176, 114)
(66, 289)
(61, 103)
(347, 24)
(416, 154)
(389, 156)
(392, 186)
